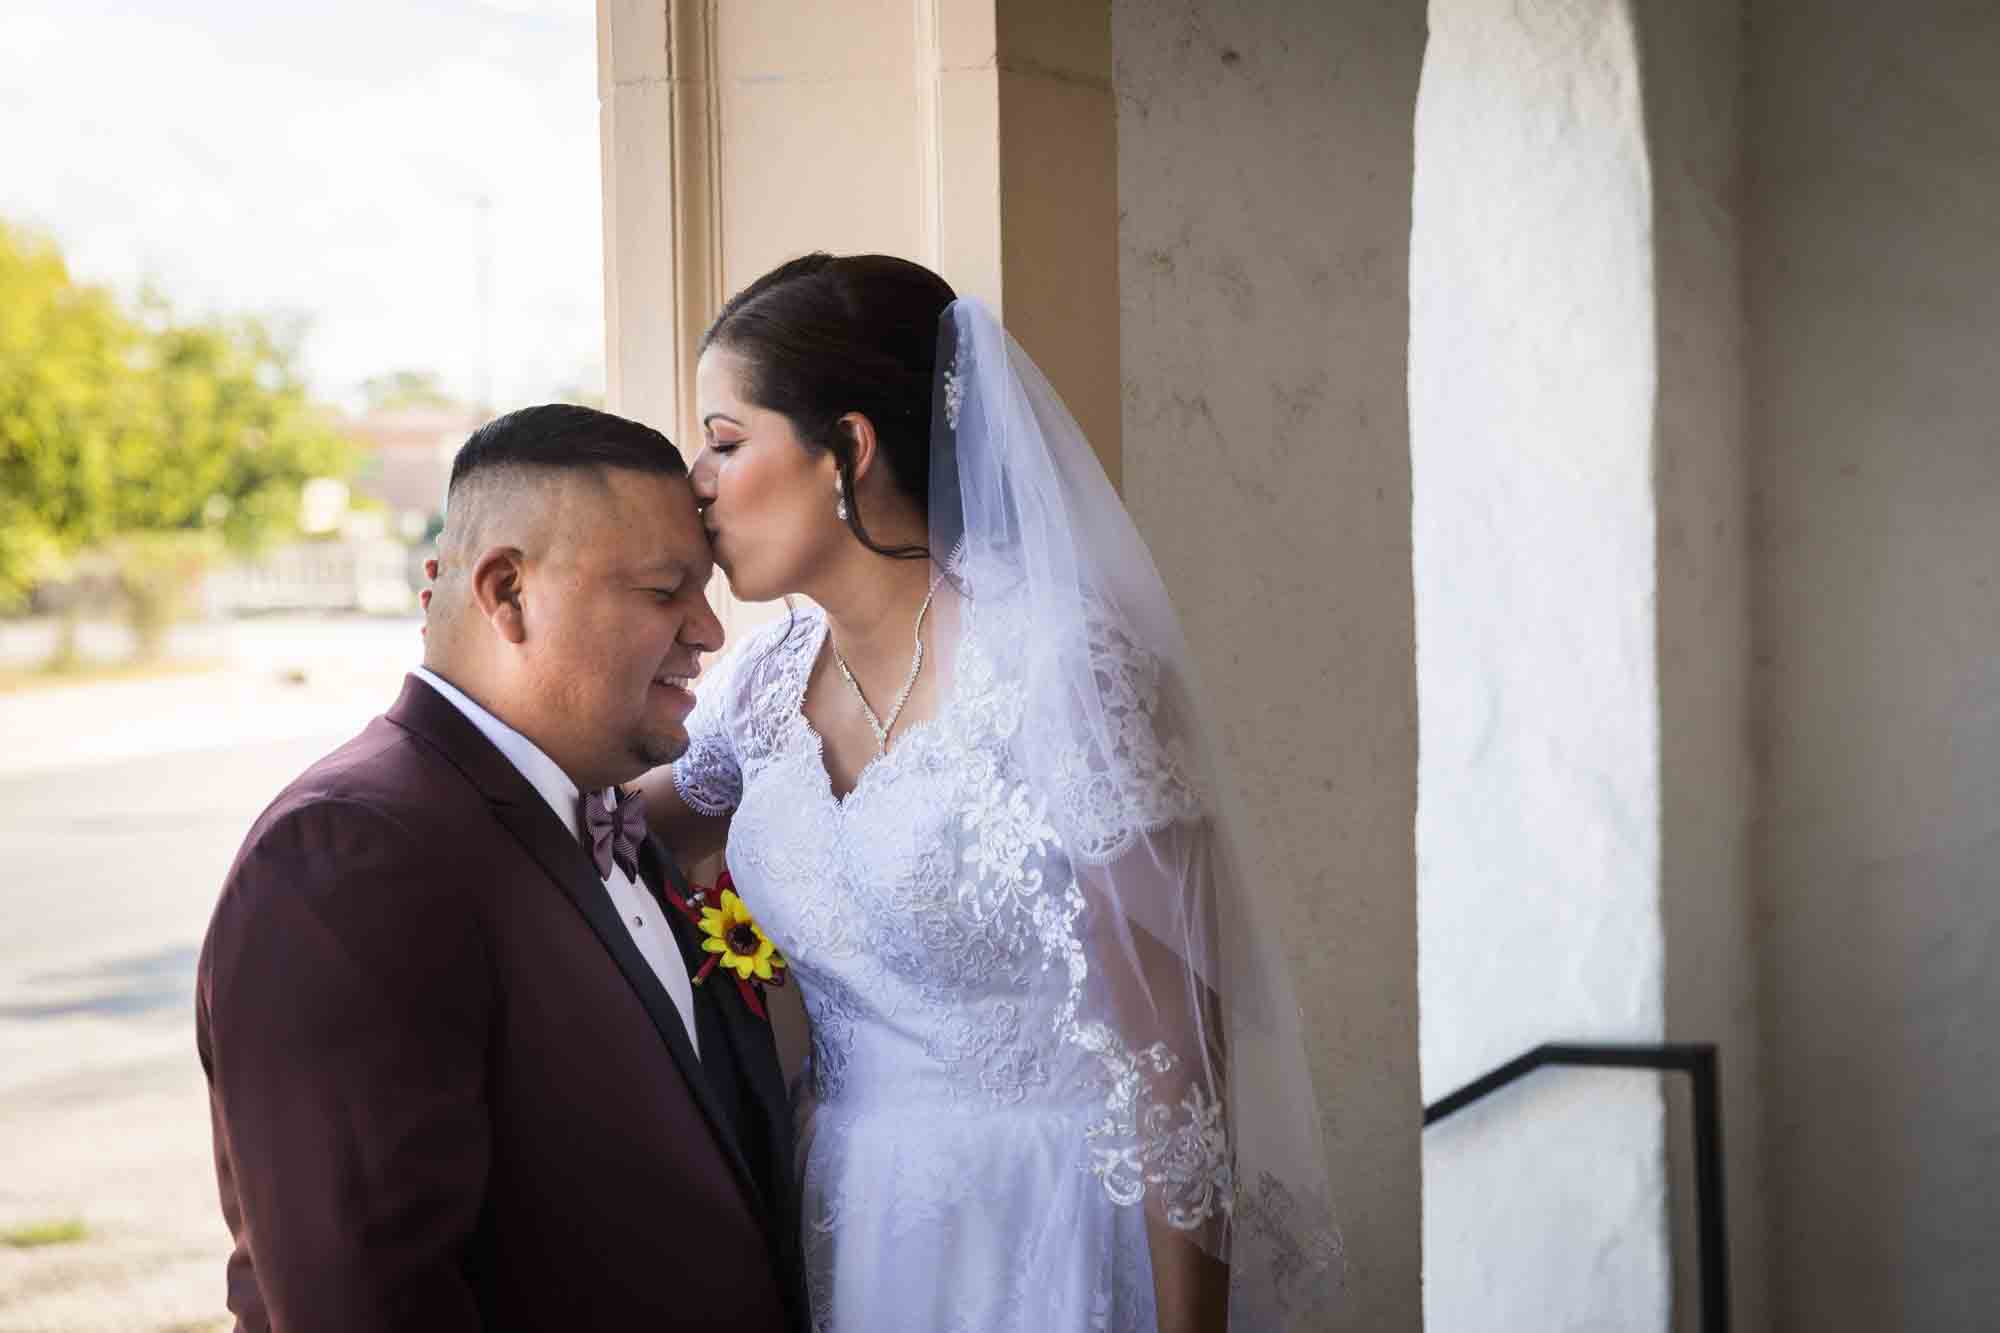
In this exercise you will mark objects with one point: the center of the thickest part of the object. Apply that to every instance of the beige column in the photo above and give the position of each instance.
(974, 137)
(1264, 167)
(657, 136)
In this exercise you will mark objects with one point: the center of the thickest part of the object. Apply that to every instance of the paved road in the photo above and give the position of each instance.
(118, 818)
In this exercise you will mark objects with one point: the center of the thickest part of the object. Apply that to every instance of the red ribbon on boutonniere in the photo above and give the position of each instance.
(732, 939)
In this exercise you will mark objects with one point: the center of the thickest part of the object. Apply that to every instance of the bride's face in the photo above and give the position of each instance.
(768, 500)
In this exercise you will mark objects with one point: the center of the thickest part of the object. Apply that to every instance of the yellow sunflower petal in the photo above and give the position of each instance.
(732, 904)
(743, 966)
(712, 945)
(763, 967)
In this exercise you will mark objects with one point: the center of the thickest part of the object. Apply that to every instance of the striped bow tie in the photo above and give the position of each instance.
(614, 824)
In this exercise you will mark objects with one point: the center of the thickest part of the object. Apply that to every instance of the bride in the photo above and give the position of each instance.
(1057, 1080)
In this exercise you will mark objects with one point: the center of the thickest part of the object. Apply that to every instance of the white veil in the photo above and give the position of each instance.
(1179, 994)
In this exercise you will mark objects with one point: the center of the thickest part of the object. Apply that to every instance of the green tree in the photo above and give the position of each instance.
(69, 393)
(405, 388)
(141, 435)
(230, 434)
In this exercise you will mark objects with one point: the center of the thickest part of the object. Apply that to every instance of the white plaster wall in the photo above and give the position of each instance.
(1875, 152)
(1532, 382)
(1263, 185)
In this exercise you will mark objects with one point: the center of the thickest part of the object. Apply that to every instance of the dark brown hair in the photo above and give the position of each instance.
(564, 436)
(823, 336)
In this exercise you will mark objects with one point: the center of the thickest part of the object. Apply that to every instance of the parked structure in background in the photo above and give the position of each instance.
(406, 458)
(358, 572)
(370, 538)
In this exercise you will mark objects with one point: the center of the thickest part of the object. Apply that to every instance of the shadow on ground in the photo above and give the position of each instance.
(135, 987)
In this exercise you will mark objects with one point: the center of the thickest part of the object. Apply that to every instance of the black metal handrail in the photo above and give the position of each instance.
(1698, 1062)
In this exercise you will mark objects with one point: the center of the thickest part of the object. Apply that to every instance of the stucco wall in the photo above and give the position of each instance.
(1691, 55)
(1875, 311)
(1532, 414)
(1263, 182)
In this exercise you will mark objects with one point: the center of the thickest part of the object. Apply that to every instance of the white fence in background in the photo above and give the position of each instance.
(352, 574)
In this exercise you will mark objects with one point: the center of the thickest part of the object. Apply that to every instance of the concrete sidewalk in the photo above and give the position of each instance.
(121, 805)
(273, 680)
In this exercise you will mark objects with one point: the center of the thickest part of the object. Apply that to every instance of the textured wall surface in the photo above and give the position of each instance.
(1532, 417)
(1263, 181)
(1875, 309)
(1691, 55)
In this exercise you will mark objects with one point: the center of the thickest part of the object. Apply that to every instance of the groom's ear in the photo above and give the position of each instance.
(496, 590)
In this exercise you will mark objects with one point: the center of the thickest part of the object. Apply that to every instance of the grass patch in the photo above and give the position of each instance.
(15, 680)
(34, 1235)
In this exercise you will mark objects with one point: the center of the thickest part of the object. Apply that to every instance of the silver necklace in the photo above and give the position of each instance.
(881, 728)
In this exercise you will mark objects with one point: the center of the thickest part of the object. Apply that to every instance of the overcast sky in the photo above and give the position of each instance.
(326, 159)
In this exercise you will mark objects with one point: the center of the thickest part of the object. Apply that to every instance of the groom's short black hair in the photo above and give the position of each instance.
(565, 436)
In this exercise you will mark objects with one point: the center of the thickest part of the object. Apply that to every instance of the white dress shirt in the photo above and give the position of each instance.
(639, 910)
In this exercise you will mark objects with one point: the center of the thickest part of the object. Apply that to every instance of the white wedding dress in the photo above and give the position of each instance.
(964, 1157)
(1047, 1009)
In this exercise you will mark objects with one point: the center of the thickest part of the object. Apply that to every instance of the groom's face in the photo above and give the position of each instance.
(617, 618)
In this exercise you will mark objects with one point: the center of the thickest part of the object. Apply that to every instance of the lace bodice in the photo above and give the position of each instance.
(934, 907)
(933, 917)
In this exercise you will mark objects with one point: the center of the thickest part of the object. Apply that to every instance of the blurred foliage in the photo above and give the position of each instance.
(33, 1235)
(157, 574)
(401, 389)
(119, 422)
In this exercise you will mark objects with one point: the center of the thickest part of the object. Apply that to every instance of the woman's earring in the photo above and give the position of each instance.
(840, 503)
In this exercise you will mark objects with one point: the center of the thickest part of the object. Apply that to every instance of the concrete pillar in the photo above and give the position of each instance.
(1875, 354)
(975, 137)
(1532, 390)
(1263, 178)
(1691, 59)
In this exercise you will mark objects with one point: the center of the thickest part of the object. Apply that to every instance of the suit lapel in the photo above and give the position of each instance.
(562, 857)
(748, 1035)
(755, 1052)
(521, 810)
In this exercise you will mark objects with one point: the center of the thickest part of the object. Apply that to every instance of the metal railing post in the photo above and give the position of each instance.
(1700, 1064)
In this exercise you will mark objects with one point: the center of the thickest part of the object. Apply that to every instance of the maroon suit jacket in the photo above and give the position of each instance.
(448, 1093)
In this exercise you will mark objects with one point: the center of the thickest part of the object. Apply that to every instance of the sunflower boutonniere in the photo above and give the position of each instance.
(733, 941)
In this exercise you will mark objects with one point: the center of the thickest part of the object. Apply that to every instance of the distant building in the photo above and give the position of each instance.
(406, 460)
(357, 560)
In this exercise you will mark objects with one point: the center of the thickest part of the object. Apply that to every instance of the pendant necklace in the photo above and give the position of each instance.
(882, 728)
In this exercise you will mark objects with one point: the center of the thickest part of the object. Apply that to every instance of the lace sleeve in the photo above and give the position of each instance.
(1189, 1030)
(1177, 1013)
(709, 776)
(1125, 771)
(1175, 1001)
(1137, 929)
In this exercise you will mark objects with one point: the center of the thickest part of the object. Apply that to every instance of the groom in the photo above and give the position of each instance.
(458, 1074)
